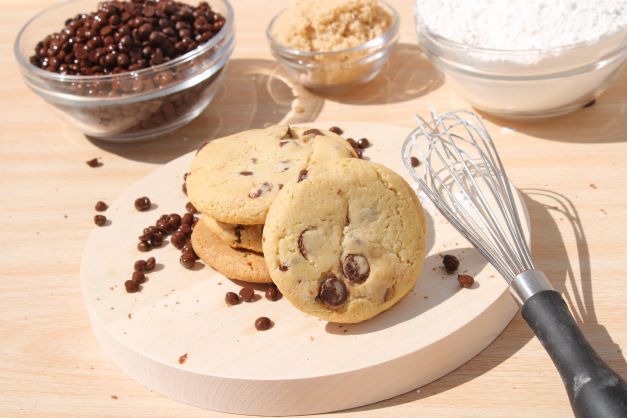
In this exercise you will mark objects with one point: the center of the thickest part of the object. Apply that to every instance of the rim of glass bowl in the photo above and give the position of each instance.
(379, 41)
(27, 67)
(421, 27)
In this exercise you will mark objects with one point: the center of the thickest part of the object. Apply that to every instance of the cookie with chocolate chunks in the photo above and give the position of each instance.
(347, 242)
(238, 264)
(235, 179)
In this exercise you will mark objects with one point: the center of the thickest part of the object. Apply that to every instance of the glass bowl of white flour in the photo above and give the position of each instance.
(525, 58)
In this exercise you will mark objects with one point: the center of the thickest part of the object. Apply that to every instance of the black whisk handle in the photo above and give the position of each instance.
(593, 388)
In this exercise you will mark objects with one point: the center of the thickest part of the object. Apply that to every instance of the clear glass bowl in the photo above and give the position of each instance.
(128, 106)
(337, 70)
(526, 84)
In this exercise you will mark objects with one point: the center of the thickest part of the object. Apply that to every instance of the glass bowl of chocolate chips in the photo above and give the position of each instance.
(127, 70)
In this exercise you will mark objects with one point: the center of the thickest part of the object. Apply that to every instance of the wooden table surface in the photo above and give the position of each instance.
(572, 171)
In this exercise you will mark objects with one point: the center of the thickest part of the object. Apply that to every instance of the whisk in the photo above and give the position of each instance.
(461, 172)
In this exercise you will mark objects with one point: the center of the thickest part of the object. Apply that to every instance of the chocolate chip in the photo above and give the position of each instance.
(273, 294)
(247, 293)
(312, 132)
(131, 286)
(465, 280)
(238, 233)
(93, 163)
(100, 220)
(389, 294)
(363, 143)
(356, 268)
(190, 208)
(138, 277)
(185, 229)
(263, 323)
(231, 298)
(187, 260)
(245, 173)
(144, 246)
(184, 188)
(187, 219)
(140, 265)
(590, 103)
(450, 263)
(332, 292)
(415, 162)
(283, 267)
(179, 239)
(302, 175)
(264, 187)
(101, 206)
(353, 143)
(336, 130)
(289, 134)
(142, 204)
(301, 244)
(156, 240)
(150, 264)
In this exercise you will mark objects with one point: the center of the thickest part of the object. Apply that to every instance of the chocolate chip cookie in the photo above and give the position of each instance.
(235, 179)
(247, 237)
(234, 263)
(346, 242)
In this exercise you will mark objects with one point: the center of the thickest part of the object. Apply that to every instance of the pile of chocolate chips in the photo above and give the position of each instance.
(127, 36)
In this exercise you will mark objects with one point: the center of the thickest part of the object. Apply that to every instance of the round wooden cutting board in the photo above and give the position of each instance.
(179, 338)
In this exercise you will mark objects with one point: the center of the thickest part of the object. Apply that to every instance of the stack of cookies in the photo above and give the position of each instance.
(234, 180)
(342, 238)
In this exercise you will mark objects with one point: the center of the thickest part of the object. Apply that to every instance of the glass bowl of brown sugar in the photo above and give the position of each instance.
(127, 70)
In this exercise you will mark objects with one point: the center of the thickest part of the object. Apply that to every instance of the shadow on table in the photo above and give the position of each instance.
(551, 256)
(603, 121)
(255, 93)
(407, 75)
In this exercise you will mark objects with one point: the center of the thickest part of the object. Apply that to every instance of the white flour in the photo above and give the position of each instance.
(523, 24)
(535, 77)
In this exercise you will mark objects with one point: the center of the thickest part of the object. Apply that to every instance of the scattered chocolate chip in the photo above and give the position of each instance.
(142, 204)
(264, 187)
(150, 264)
(131, 286)
(415, 162)
(356, 268)
(144, 246)
(101, 206)
(272, 293)
(450, 263)
(263, 323)
(190, 208)
(332, 292)
(280, 186)
(301, 244)
(138, 277)
(238, 233)
(140, 265)
(178, 239)
(100, 220)
(247, 293)
(283, 267)
(156, 240)
(183, 358)
(465, 280)
(359, 152)
(232, 298)
(93, 163)
(187, 260)
(336, 130)
(184, 188)
(245, 173)
(353, 143)
(187, 219)
(312, 132)
(174, 219)
(302, 175)
(363, 143)
(185, 229)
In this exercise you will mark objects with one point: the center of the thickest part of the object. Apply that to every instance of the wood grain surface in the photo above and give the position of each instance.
(572, 171)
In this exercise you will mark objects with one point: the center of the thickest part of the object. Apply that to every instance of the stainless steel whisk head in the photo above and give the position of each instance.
(465, 179)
